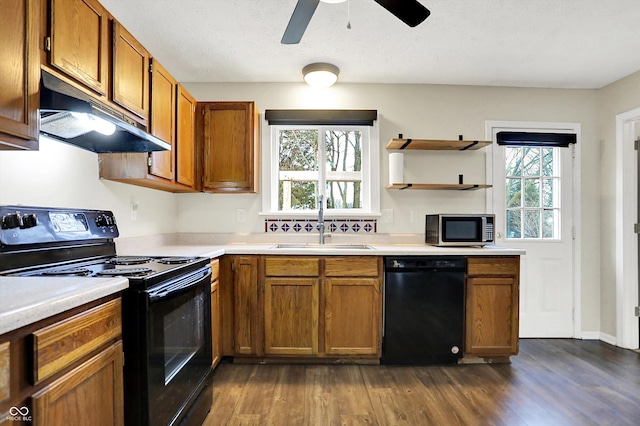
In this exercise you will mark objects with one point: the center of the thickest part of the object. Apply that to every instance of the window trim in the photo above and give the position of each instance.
(370, 178)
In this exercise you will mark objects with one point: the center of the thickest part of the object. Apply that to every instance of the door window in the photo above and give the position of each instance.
(532, 199)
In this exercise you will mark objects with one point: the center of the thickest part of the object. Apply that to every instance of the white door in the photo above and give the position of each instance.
(532, 201)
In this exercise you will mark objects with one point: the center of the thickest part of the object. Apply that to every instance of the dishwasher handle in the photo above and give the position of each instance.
(440, 263)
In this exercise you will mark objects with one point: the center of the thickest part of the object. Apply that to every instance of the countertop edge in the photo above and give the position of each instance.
(34, 299)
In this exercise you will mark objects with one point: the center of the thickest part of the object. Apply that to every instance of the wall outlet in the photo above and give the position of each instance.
(413, 216)
(241, 215)
(386, 215)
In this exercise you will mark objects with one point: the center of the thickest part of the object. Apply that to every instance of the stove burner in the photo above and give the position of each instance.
(175, 260)
(67, 271)
(125, 272)
(129, 260)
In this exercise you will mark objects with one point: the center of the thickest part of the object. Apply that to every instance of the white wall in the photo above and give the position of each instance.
(61, 175)
(617, 98)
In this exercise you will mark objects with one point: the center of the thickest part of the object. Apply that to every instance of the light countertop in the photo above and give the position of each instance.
(26, 300)
(29, 299)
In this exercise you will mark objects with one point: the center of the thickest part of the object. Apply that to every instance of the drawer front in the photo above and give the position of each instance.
(59, 345)
(289, 266)
(493, 266)
(351, 266)
(215, 269)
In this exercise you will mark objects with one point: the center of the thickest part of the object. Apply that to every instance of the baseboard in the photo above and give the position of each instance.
(598, 335)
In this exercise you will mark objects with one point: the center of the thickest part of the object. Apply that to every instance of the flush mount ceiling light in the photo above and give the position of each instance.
(320, 74)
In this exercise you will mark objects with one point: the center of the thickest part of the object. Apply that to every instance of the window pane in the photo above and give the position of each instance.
(344, 195)
(547, 161)
(549, 224)
(514, 192)
(532, 223)
(343, 151)
(297, 195)
(532, 192)
(298, 150)
(513, 224)
(513, 165)
(548, 193)
(531, 164)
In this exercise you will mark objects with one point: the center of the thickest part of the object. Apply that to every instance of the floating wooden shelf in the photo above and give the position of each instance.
(439, 186)
(435, 145)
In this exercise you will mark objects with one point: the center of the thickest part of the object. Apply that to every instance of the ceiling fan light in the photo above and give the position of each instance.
(320, 74)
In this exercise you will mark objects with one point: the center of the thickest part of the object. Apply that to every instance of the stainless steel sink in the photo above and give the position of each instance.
(323, 246)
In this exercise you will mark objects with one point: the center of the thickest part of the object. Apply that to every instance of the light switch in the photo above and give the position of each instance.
(413, 216)
(386, 215)
(241, 215)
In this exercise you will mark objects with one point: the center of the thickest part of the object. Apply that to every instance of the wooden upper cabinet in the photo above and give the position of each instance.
(78, 42)
(163, 119)
(130, 72)
(19, 74)
(230, 145)
(186, 138)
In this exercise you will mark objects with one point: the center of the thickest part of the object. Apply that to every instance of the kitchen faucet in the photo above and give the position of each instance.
(321, 219)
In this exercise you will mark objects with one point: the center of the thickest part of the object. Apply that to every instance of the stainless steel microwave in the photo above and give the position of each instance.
(459, 229)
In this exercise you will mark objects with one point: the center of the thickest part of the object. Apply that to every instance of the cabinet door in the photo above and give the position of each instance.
(163, 120)
(291, 316)
(79, 43)
(130, 72)
(216, 336)
(230, 147)
(19, 74)
(186, 138)
(492, 316)
(246, 314)
(91, 394)
(353, 316)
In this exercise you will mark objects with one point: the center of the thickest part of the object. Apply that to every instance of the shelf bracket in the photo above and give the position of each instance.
(406, 144)
(471, 188)
(409, 185)
(471, 145)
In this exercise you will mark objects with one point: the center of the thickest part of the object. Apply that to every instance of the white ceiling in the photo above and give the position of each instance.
(526, 43)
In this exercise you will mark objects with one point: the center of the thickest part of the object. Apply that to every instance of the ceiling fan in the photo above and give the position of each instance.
(410, 12)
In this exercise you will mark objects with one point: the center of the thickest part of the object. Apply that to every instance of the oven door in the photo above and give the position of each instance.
(173, 346)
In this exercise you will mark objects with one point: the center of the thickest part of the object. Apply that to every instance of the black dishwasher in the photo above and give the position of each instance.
(423, 309)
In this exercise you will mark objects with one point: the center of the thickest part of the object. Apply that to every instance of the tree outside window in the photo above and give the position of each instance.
(327, 160)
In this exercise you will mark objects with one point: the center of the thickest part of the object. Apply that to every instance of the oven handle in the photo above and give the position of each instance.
(179, 285)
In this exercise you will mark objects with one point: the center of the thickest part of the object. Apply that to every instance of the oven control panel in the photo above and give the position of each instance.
(21, 225)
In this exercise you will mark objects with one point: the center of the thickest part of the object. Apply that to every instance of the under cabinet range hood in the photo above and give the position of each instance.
(69, 115)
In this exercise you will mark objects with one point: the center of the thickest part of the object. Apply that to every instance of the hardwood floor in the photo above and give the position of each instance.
(551, 382)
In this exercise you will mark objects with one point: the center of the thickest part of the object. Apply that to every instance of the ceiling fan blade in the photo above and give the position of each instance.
(299, 20)
(410, 12)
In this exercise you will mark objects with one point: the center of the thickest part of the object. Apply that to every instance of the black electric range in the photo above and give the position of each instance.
(166, 311)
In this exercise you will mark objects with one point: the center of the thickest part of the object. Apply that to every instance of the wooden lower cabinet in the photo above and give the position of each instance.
(492, 293)
(90, 394)
(66, 369)
(352, 316)
(246, 314)
(216, 336)
(291, 316)
(308, 306)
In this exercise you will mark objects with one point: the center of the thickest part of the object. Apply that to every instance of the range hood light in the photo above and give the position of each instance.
(95, 123)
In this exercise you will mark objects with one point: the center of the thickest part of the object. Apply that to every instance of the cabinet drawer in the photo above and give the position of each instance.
(287, 266)
(59, 345)
(351, 266)
(215, 269)
(493, 265)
